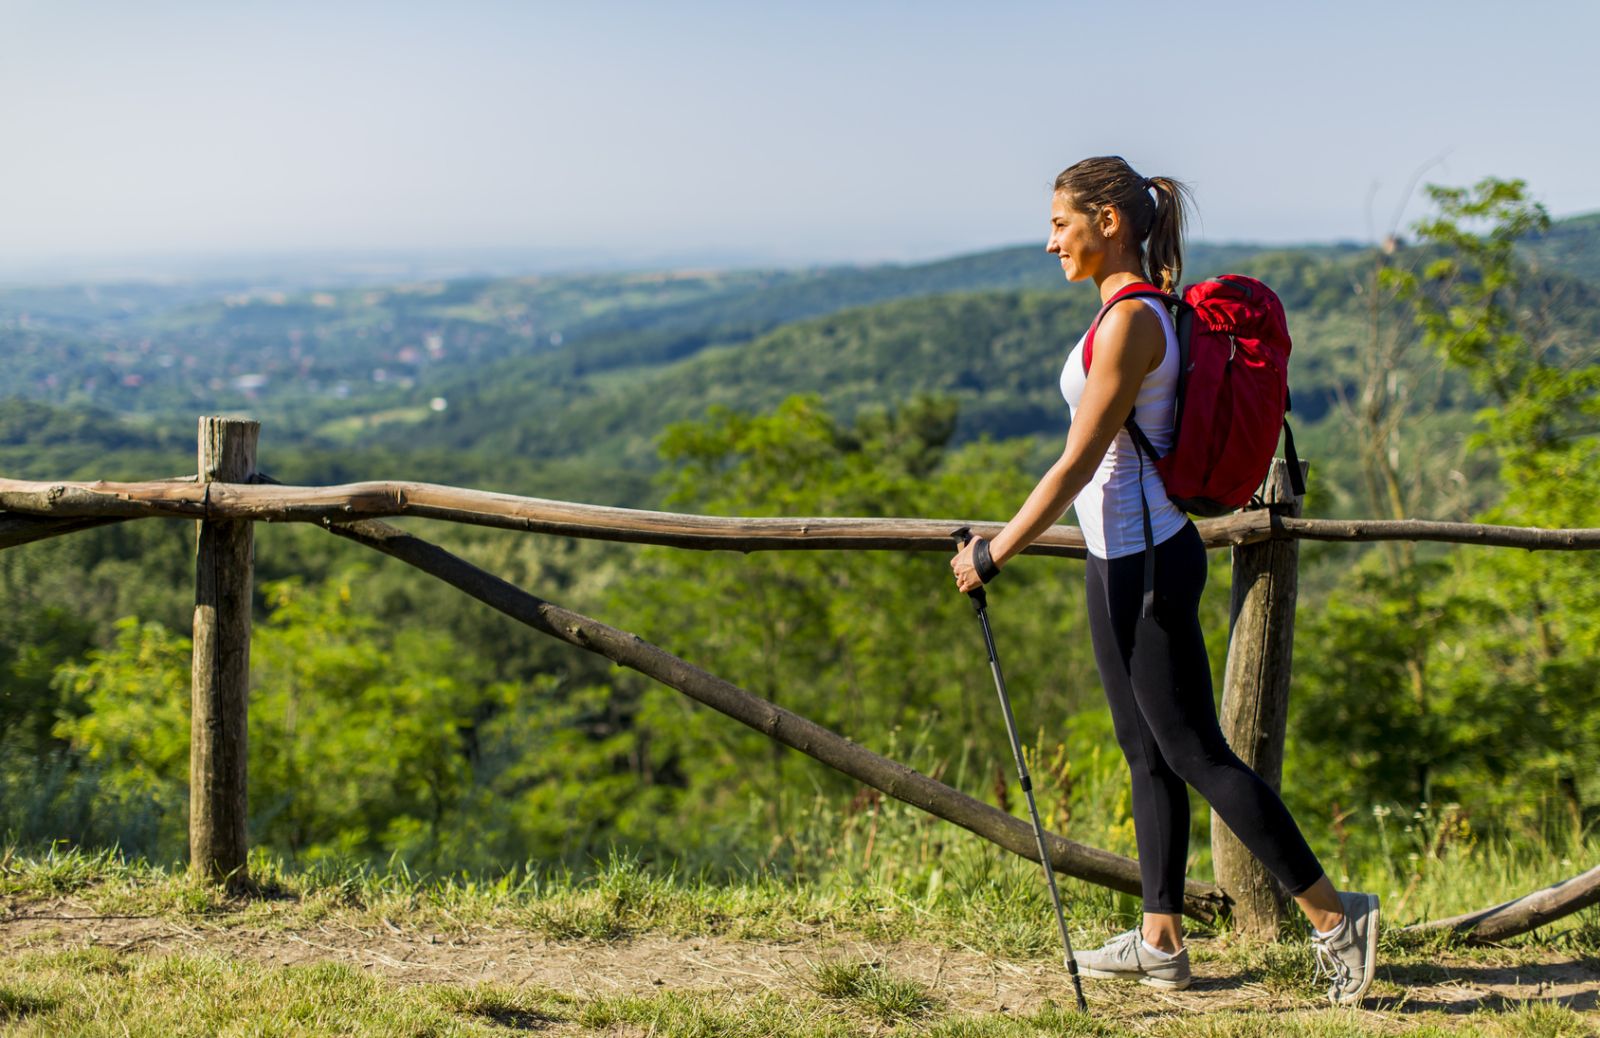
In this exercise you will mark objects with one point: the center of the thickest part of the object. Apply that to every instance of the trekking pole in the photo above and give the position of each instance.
(980, 604)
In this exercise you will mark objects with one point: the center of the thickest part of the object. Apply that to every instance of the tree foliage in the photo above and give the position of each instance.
(878, 646)
(1507, 719)
(393, 717)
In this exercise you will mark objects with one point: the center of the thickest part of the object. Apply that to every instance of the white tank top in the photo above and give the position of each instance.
(1108, 508)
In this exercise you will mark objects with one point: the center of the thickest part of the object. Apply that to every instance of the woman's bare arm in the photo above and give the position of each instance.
(1128, 345)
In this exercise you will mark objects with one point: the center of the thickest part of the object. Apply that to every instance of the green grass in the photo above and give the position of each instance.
(94, 991)
(976, 898)
(702, 1016)
(873, 989)
(981, 902)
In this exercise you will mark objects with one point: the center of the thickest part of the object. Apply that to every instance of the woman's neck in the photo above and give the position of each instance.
(1116, 281)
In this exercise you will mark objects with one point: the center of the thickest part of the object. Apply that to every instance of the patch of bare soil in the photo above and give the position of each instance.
(966, 980)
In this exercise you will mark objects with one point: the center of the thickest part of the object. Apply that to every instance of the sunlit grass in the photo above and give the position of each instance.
(95, 992)
(75, 994)
(981, 901)
(873, 989)
(972, 896)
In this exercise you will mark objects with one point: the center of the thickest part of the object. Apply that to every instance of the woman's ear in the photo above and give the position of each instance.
(1109, 221)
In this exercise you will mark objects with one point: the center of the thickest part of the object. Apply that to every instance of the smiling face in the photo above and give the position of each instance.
(1079, 240)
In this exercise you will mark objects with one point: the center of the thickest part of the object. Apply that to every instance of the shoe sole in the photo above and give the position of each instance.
(1371, 956)
(1143, 978)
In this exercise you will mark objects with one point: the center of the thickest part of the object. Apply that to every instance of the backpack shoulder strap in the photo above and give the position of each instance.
(1137, 290)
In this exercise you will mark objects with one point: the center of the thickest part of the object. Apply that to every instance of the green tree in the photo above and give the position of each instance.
(1507, 717)
(870, 644)
(129, 723)
(1481, 306)
(365, 740)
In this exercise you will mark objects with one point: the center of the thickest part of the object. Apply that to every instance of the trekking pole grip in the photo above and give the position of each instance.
(980, 597)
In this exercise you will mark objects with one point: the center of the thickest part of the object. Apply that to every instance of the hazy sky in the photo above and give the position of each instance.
(758, 131)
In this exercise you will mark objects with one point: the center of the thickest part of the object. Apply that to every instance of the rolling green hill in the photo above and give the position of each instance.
(603, 403)
(1571, 246)
(998, 353)
(317, 358)
(562, 384)
(38, 441)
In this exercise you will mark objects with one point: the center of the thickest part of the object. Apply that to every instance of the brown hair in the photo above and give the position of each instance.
(1158, 222)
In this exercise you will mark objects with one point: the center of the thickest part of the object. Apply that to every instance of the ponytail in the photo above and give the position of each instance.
(1164, 256)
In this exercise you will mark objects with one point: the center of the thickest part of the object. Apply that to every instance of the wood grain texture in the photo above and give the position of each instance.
(273, 502)
(1523, 914)
(220, 680)
(1255, 700)
(20, 528)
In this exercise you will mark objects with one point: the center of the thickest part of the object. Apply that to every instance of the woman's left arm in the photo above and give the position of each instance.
(1128, 345)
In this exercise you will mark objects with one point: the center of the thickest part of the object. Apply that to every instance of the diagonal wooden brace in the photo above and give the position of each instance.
(1203, 901)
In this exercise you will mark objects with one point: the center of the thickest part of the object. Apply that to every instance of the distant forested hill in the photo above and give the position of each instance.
(1571, 247)
(313, 357)
(562, 384)
(997, 353)
(38, 441)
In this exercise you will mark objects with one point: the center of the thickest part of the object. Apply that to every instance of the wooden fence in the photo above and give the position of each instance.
(229, 494)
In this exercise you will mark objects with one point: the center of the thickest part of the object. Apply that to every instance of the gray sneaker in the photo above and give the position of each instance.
(1124, 958)
(1349, 956)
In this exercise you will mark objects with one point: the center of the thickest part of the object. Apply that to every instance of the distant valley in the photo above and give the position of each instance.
(559, 385)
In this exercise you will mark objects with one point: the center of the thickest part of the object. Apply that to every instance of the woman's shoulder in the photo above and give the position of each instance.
(1131, 328)
(1135, 315)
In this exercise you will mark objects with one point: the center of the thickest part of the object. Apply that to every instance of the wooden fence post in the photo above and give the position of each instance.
(224, 570)
(1255, 700)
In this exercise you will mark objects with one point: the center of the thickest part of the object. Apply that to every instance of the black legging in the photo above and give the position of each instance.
(1158, 682)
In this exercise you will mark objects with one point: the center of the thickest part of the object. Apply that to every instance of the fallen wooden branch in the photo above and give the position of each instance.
(1202, 901)
(1528, 912)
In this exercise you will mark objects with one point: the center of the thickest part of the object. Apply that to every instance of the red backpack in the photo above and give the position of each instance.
(1232, 398)
(1232, 395)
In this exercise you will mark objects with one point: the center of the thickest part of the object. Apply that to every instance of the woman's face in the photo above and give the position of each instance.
(1077, 238)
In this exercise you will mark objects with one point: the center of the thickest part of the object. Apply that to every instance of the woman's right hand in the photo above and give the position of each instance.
(965, 572)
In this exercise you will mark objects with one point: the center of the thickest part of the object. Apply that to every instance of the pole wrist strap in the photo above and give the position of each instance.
(982, 562)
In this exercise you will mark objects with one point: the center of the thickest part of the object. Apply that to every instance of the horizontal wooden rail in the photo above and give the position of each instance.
(1531, 537)
(270, 502)
(18, 529)
(279, 503)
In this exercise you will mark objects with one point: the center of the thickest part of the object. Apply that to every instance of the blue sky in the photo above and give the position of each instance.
(750, 132)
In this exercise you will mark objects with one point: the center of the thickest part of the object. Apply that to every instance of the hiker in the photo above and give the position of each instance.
(1111, 225)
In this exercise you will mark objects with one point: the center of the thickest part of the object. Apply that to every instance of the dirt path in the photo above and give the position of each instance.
(641, 965)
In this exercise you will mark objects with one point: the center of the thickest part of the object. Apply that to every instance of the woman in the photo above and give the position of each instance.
(1117, 228)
